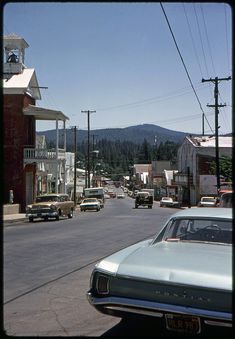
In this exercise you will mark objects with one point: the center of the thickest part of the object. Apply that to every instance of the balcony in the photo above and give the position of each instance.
(42, 155)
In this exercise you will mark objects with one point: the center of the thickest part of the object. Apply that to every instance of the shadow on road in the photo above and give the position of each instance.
(135, 327)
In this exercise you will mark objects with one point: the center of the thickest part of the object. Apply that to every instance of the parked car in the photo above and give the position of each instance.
(182, 277)
(168, 202)
(50, 206)
(226, 200)
(90, 204)
(208, 202)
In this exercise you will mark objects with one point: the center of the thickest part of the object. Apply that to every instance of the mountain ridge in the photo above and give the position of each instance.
(154, 134)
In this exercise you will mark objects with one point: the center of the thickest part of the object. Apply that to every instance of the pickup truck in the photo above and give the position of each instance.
(144, 199)
(50, 206)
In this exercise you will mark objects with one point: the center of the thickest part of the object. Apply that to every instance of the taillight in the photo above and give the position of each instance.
(102, 284)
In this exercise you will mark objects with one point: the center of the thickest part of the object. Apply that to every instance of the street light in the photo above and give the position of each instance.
(88, 143)
(75, 166)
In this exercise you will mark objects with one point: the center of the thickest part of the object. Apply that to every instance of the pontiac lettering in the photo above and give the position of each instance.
(183, 295)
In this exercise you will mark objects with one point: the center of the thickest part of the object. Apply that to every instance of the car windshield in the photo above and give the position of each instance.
(208, 199)
(203, 230)
(90, 200)
(47, 198)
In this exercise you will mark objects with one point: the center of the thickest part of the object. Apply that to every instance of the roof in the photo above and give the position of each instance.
(25, 82)
(209, 141)
(206, 212)
(41, 113)
(10, 41)
(141, 168)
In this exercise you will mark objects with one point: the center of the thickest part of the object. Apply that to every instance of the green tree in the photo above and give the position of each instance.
(225, 167)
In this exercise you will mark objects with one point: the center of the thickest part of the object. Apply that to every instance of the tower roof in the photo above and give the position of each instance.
(13, 41)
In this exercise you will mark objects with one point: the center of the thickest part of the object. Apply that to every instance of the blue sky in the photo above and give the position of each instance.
(120, 60)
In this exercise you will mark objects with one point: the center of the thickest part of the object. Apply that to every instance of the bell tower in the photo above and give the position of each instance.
(14, 52)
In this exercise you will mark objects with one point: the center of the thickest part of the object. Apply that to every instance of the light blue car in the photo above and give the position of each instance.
(182, 277)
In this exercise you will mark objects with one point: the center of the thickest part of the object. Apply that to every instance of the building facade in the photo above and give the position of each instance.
(20, 154)
(195, 156)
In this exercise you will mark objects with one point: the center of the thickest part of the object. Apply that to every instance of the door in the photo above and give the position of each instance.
(29, 187)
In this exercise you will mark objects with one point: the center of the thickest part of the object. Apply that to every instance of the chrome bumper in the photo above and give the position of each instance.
(43, 214)
(149, 308)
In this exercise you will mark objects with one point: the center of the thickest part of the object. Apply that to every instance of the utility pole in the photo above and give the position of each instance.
(75, 167)
(93, 153)
(203, 124)
(216, 106)
(88, 144)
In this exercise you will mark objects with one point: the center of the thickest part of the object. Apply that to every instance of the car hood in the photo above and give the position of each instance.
(198, 264)
(44, 203)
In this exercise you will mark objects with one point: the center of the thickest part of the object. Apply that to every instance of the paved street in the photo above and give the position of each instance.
(47, 267)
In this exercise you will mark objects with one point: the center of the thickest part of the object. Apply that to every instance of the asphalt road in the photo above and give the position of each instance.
(47, 267)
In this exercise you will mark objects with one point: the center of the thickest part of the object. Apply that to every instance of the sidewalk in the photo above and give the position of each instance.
(10, 218)
(14, 217)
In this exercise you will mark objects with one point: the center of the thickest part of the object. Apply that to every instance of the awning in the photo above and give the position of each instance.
(44, 113)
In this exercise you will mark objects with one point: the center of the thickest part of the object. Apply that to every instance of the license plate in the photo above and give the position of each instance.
(183, 323)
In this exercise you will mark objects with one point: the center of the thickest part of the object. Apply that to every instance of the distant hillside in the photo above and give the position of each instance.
(135, 134)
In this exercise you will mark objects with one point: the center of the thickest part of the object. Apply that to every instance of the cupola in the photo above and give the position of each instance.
(14, 52)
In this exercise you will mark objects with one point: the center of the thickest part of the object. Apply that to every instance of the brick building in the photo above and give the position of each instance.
(20, 92)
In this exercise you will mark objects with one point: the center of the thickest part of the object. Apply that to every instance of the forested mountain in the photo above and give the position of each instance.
(152, 133)
(120, 148)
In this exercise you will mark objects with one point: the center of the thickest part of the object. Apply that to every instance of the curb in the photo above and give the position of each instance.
(24, 219)
(12, 221)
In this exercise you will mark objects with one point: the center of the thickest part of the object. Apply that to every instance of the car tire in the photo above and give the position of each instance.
(70, 215)
(30, 219)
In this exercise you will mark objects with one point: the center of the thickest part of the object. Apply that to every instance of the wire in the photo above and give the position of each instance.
(184, 64)
(191, 35)
(226, 33)
(151, 100)
(200, 35)
(208, 42)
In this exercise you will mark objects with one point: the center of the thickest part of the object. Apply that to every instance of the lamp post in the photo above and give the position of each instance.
(88, 144)
(75, 167)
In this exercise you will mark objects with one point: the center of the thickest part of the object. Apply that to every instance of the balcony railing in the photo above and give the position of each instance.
(42, 154)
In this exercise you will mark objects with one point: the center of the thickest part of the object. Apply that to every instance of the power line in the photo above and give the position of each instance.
(191, 35)
(200, 35)
(189, 78)
(208, 41)
(226, 34)
(135, 104)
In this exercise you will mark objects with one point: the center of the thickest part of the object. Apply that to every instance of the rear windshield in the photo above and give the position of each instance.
(47, 198)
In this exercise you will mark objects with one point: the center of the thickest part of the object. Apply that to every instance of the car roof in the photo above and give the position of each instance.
(51, 194)
(206, 212)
